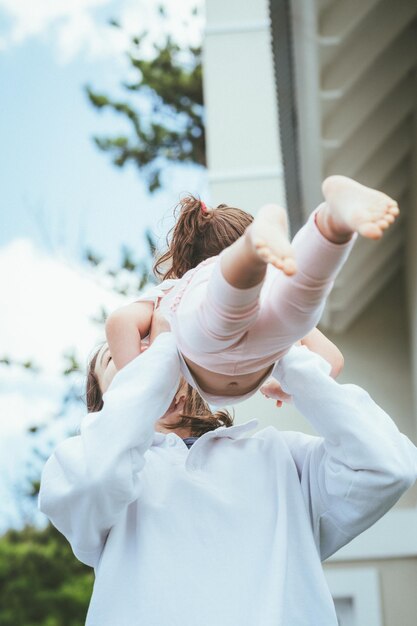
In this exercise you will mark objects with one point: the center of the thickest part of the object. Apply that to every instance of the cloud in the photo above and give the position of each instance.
(72, 26)
(47, 308)
(77, 27)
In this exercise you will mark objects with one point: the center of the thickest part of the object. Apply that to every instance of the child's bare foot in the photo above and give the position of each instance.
(351, 207)
(268, 235)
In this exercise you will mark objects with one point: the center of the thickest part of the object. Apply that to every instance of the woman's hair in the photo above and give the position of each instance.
(198, 234)
(93, 393)
(196, 415)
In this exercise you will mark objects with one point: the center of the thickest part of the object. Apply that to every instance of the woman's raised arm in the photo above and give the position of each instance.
(359, 467)
(91, 478)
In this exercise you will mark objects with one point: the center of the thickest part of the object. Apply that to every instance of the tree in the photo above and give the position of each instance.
(164, 110)
(41, 582)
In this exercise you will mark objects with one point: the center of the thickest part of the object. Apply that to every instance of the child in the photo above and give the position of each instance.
(232, 319)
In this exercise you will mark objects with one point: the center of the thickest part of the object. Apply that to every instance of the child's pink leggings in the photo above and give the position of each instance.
(238, 331)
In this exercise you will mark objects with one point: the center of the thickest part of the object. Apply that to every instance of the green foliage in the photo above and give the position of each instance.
(164, 109)
(129, 277)
(41, 582)
(27, 365)
(71, 363)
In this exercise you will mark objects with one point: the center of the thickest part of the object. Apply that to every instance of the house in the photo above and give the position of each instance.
(297, 90)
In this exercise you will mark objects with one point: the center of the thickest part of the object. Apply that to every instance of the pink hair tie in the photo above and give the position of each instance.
(203, 207)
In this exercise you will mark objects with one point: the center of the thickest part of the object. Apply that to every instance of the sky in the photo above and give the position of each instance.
(60, 196)
(57, 188)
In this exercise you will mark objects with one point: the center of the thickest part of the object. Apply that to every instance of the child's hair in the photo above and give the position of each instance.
(196, 415)
(198, 234)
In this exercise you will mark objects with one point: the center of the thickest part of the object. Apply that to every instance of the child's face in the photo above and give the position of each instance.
(105, 369)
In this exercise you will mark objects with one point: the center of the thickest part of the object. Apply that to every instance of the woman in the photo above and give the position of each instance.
(230, 532)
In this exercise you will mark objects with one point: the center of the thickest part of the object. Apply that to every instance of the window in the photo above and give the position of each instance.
(356, 595)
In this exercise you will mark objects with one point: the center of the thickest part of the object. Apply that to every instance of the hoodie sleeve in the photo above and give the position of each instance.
(91, 478)
(359, 467)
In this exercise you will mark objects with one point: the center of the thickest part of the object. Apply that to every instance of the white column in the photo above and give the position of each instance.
(243, 148)
(411, 261)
